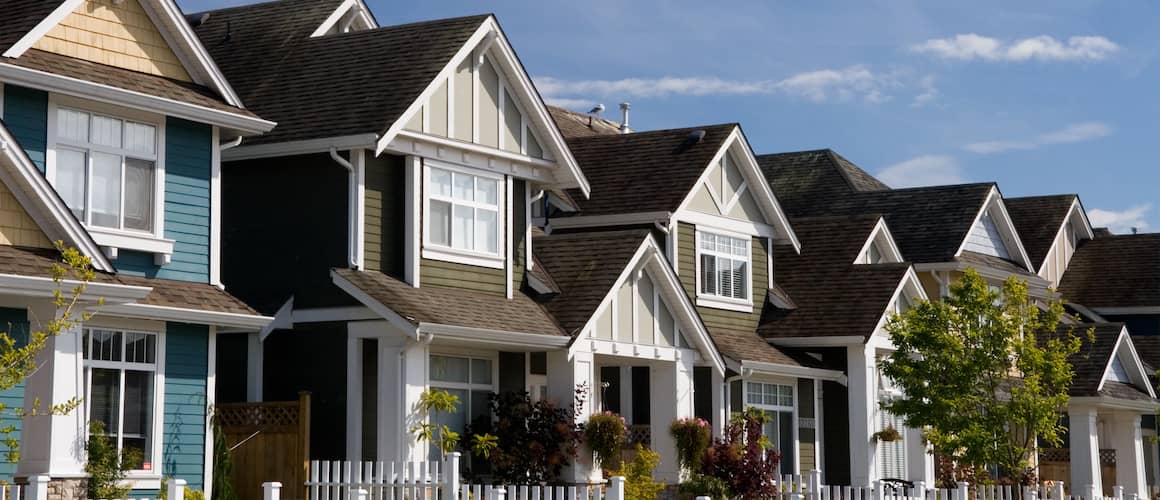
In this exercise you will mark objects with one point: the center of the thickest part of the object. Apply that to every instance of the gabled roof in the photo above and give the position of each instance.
(801, 178)
(742, 346)
(573, 124)
(1038, 220)
(19, 18)
(1093, 362)
(1114, 271)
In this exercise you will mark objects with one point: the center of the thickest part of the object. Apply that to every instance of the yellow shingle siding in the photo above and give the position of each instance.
(117, 34)
(16, 227)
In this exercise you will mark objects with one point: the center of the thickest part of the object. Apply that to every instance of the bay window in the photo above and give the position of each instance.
(119, 373)
(463, 212)
(723, 264)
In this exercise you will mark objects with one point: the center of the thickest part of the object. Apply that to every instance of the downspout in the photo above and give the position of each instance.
(230, 144)
(352, 194)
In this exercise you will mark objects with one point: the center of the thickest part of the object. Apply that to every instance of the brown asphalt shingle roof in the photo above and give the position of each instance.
(802, 178)
(1114, 271)
(18, 17)
(1148, 347)
(643, 171)
(573, 124)
(333, 85)
(1092, 359)
(746, 346)
(454, 306)
(1037, 220)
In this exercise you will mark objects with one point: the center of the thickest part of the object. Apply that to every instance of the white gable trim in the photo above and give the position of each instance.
(34, 193)
(881, 232)
(747, 164)
(1003, 221)
(374, 305)
(911, 287)
(1126, 353)
(362, 12)
(489, 38)
(170, 22)
(1075, 210)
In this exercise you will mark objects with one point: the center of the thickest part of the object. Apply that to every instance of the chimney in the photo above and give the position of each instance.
(1135, 230)
(624, 107)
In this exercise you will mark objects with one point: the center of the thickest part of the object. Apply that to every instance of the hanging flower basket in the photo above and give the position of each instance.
(887, 435)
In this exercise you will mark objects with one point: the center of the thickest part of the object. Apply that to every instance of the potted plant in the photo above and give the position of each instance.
(604, 433)
(887, 435)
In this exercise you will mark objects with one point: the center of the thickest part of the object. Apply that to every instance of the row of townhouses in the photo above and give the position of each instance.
(287, 197)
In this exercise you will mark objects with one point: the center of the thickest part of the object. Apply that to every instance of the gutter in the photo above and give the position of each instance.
(793, 371)
(352, 194)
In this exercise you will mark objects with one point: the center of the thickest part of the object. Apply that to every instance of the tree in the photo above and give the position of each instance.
(984, 373)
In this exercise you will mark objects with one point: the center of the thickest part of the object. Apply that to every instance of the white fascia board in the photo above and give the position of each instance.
(197, 60)
(339, 13)
(391, 316)
(836, 341)
(42, 28)
(770, 203)
(881, 230)
(794, 371)
(1076, 209)
(146, 311)
(910, 281)
(493, 337)
(1113, 403)
(1123, 341)
(636, 218)
(35, 286)
(43, 203)
(1004, 222)
(1034, 281)
(105, 93)
(308, 146)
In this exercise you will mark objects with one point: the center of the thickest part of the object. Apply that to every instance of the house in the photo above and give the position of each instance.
(113, 118)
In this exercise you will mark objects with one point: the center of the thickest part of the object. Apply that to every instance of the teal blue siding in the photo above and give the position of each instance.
(14, 322)
(188, 166)
(26, 116)
(183, 428)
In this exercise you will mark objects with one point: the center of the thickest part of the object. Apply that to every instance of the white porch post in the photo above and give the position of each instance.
(567, 371)
(919, 463)
(862, 401)
(720, 404)
(667, 406)
(54, 445)
(413, 377)
(1128, 441)
(1085, 449)
(354, 414)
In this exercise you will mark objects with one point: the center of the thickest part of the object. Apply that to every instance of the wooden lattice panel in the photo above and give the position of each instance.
(265, 416)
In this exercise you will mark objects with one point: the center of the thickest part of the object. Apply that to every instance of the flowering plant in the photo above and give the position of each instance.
(604, 434)
(693, 437)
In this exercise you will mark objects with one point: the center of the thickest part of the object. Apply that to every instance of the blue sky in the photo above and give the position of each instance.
(1043, 97)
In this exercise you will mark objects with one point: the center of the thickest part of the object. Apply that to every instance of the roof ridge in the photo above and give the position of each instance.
(1041, 196)
(266, 3)
(658, 131)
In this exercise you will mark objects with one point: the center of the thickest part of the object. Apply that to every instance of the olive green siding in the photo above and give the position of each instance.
(385, 212)
(519, 232)
(733, 320)
(451, 274)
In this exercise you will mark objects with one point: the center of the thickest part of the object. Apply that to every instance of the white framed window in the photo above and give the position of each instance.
(776, 401)
(463, 215)
(472, 380)
(121, 390)
(724, 272)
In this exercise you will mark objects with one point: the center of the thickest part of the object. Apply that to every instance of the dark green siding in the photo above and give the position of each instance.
(518, 233)
(13, 322)
(733, 320)
(183, 427)
(385, 205)
(26, 116)
(451, 274)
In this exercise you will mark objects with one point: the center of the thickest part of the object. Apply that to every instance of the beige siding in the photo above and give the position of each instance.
(929, 285)
(703, 202)
(746, 208)
(116, 34)
(415, 124)
(806, 450)
(16, 227)
(644, 310)
(667, 325)
(624, 313)
(463, 101)
(450, 274)
(488, 105)
(438, 112)
(733, 179)
(687, 256)
(604, 324)
(512, 124)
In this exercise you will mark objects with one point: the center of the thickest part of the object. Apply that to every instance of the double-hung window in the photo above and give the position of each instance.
(463, 213)
(105, 169)
(120, 369)
(775, 401)
(724, 266)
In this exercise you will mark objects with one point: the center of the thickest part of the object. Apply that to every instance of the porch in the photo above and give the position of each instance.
(1105, 447)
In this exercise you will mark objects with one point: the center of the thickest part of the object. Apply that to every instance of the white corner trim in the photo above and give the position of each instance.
(146, 311)
(412, 225)
(215, 211)
(210, 400)
(42, 28)
(33, 286)
(358, 208)
(509, 200)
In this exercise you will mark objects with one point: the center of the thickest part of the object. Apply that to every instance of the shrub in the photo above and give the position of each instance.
(604, 433)
(743, 458)
(638, 480)
(524, 441)
(700, 485)
(693, 436)
(437, 401)
(107, 470)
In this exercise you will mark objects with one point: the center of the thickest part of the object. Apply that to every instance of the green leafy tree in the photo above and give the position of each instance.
(984, 373)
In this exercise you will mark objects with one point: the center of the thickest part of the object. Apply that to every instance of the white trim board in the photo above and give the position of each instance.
(1139, 374)
(1004, 223)
(363, 13)
(881, 231)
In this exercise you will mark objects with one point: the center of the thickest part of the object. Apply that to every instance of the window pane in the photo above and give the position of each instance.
(708, 241)
(447, 369)
(106, 345)
(140, 138)
(140, 348)
(456, 420)
(463, 228)
(753, 394)
(70, 180)
(104, 398)
(487, 231)
(481, 371)
(739, 279)
(487, 191)
(440, 223)
(440, 182)
(770, 391)
(726, 275)
(739, 247)
(106, 190)
(138, 422)
(709, 274)
(785, 395)
(138, 194)
(464, 188)
(72, 125)
(106, 131)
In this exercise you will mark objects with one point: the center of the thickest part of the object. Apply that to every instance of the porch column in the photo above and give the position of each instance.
(413, 379)
(566, 372)
(862, 403)
(54, 445)
(919, 462)
(1128, 441)
(1084, 449)
(671, 398)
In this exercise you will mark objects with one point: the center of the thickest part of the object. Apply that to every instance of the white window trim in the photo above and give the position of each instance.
(716, 301)
(456, 255)
(137, 478)
(150, 242)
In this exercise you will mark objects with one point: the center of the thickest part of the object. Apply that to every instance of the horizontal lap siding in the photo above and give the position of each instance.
(385, 214)
(26, 116)
(451, 274)
(183, 427)
(13, 322)
(687, 257)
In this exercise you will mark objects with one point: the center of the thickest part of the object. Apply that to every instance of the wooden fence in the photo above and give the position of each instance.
(268, 441)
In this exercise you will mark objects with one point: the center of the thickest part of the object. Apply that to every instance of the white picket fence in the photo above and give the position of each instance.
(37, 489)
(810, 487)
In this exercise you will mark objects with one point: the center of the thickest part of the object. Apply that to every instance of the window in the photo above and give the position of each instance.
(105, 169)
(873, 255)
(776, 402)
(463, 212)
(469, 379)
(724, 262)
(891, 454)
(120, 368)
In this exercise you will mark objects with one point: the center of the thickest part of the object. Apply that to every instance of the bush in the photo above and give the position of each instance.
(693, 437)
(638, 480)
(524, 441)
(701, 485)
(744, 458)
(106, 470)
(604, 433)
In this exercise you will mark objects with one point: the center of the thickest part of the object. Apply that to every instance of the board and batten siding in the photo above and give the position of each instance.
(13, 322)
(732, 320)
(26, 116)
(385, 208)
(183, 427)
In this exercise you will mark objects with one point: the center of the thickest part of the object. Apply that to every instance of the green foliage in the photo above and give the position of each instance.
(700, 485)
(484, 445)
(194, 494)
(105, 468)
(983, 372)
(437, 401)
(524, 441)
(744, 458)
(223, 466)
(693, 436)
(638, 480)
(604, 434)
(887, 435)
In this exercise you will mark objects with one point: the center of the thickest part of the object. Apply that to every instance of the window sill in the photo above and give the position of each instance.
(710, 301)
(462, 257)
(143, 480)
(113, 240)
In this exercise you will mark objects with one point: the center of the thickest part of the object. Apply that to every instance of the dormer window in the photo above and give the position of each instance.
(463, 221)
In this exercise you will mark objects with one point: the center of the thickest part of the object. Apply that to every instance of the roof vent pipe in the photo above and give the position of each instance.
(624, 107)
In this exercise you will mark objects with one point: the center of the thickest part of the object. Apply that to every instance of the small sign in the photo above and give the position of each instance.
(806, 423)
(147, 466)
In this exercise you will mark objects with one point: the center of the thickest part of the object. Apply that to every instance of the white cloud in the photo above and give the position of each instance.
(926, 170)
(649, 87)
(929, 92)
(570, 103)
(1076, 132)
(1121, 221)
(969, 47)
